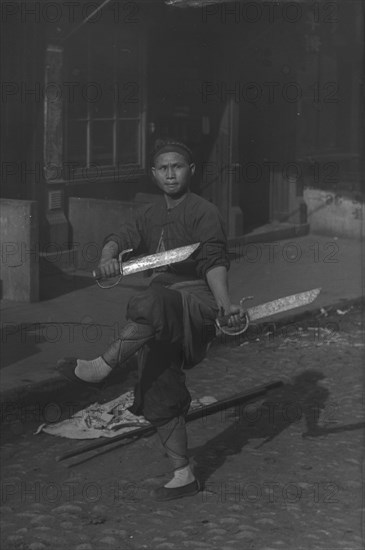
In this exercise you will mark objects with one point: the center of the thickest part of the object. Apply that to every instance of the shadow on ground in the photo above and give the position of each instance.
(303, 398)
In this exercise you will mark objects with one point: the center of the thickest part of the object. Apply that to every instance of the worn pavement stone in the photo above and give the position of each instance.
(281, 472)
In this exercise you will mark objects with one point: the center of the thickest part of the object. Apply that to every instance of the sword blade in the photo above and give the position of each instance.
(157, 260)
(276, 306)
(282, 304)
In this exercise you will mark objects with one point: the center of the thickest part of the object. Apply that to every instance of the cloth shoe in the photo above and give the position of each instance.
(66, 368)
(165, 493)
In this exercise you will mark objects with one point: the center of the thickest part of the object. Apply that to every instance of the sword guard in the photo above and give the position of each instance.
(97, 276)
(223, 321)
(246, 298)
(120, 258)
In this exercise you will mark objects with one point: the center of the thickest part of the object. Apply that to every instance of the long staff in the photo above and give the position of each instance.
(220, 405)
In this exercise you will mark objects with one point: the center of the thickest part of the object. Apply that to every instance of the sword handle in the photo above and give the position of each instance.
(222, 321)
(97, 274)
(97, 271)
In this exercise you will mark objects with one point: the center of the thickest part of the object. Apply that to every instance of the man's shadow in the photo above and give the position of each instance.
(299, 401)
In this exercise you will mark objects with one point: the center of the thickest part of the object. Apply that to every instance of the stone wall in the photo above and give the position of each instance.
(335, 214)
(19, 267)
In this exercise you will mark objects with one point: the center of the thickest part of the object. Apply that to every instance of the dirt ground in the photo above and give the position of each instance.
(280, 472)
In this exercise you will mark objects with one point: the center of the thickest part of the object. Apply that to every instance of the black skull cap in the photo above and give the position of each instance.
(171, 146)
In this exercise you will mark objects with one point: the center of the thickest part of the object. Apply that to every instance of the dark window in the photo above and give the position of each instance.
(104, 101)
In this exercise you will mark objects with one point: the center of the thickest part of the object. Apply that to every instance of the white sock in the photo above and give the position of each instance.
(182, 476)
(92, 371)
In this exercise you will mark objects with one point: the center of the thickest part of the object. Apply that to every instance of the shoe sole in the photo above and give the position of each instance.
(175, 495)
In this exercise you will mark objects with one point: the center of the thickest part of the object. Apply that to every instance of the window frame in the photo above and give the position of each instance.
(117, 171)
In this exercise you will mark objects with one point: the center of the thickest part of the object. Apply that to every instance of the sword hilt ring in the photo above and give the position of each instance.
(218, 322)
(222, 321)
(120, 262)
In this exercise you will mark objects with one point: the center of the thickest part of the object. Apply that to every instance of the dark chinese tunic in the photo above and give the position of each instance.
(156, 227)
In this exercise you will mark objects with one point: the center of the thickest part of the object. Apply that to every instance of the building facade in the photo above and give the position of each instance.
(268, 96)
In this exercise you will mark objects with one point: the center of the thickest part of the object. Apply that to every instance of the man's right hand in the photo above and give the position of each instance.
(109, 265)
(109, 268)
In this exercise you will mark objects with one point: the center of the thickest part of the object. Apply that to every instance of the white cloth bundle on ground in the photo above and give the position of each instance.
(106, 420)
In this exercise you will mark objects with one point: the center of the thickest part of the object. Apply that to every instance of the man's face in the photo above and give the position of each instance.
(172, 173)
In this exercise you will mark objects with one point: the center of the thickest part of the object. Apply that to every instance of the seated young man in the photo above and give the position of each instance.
(171, 323)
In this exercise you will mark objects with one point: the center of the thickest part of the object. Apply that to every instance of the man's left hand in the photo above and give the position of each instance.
(237, 316)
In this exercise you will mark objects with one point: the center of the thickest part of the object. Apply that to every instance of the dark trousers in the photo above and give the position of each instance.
(155, 330)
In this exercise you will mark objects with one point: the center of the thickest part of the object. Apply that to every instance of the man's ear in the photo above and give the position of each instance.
(192, 168)
(153, 170)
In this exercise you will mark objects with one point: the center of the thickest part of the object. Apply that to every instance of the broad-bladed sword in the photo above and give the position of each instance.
(271, 308)
(135, 265)
(180, 254)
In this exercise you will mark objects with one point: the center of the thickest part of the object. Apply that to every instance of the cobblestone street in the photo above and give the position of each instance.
(283, 472)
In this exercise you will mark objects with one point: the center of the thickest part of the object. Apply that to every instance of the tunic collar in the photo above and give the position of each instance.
(177, 204)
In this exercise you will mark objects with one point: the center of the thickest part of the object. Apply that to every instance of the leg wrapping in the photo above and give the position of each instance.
(133, 336)
(174, 439)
